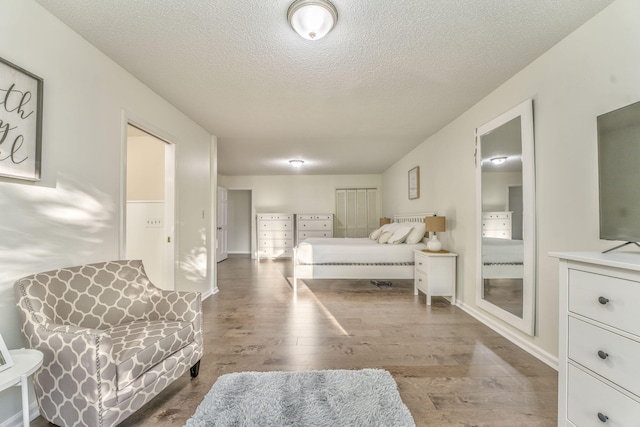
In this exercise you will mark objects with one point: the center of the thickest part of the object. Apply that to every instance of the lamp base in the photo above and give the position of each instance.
(434, 245)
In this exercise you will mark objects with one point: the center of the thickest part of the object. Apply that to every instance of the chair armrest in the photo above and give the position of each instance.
(82, 356)
(177, 305)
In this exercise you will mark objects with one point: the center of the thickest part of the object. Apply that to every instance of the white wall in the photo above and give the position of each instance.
(594, 70)
(73, 215)
(298, 193)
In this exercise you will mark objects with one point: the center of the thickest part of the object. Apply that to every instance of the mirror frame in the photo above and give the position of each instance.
(527, 322)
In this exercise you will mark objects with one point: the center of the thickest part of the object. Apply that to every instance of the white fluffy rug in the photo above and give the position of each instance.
(367, 397)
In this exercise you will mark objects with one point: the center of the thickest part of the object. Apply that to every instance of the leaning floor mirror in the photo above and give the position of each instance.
(505, 188)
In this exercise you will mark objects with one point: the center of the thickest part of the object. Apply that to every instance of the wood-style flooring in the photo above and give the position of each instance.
(450, 369)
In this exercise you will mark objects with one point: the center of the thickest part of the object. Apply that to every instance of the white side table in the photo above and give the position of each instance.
(435, 274)
(25, 363)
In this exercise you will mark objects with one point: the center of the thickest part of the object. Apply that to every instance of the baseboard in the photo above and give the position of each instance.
(16, 419)
(540, 354)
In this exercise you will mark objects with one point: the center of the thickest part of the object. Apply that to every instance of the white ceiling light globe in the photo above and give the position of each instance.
(312, 19)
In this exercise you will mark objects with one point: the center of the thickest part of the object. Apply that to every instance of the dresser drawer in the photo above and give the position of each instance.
(307, 234)
(275, 235)
(274, 225)
(610, 300)
(314, 225)
(501, 234)
(275, 243)
(589, 397)
(496, 224)
(313, 217)
(420, 263)
(275, 217)
(621, 355)
(421, 281)
(496, 215)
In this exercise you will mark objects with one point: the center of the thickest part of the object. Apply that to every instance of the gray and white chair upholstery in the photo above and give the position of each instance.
(111, 340)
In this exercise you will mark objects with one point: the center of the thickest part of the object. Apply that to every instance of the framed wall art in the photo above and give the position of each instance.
(5, 356)
(414, 183)
(20, 122)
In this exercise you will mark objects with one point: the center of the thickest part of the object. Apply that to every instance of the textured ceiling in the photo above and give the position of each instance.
(387, 77)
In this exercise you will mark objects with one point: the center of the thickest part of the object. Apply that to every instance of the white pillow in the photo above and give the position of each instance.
(416, 235)
(400, 234)
(384, 237)
(375, 234)
(391, 227)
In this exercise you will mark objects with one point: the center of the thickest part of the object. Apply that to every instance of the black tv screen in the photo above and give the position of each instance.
(619, 173)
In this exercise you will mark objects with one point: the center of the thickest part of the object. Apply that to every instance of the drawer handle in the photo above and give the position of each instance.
(602, 417)
(603, 300)
(602, 355)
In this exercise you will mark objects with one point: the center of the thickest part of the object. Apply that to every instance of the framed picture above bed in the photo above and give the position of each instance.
(414, 183)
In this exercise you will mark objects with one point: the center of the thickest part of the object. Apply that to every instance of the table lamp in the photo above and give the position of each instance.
(433, 225)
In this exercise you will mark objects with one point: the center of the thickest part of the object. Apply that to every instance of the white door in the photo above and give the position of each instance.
(222, 227)
(149, 212)
(357, 212)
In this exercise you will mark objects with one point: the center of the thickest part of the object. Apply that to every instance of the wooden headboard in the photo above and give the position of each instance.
(412, 218)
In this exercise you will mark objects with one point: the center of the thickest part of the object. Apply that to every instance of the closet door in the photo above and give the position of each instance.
(357, 212)
(340, 225)
(373, 211)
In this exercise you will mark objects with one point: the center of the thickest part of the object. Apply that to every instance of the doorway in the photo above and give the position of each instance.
(150, 208)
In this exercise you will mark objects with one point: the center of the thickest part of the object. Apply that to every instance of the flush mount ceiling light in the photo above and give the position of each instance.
(498, 160)
(312, 19)
(296, 163)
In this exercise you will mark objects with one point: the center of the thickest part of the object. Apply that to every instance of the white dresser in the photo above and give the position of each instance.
(496, 224)
(599, 347)
(275, 235)
(435, 274)
(313, 225)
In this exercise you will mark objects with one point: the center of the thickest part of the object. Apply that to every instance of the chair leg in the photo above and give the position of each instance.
(195, 369)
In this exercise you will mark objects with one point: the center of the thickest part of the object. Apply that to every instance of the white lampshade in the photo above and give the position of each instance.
(296, 163)
(312, 19)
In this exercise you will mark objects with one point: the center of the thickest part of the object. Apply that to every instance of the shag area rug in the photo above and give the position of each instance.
(367, 397)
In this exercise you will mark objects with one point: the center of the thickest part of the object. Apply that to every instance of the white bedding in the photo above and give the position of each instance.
(354, 251)
(502, 251)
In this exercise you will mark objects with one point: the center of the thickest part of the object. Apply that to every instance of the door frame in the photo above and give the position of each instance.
(253, 230)
(170, 192)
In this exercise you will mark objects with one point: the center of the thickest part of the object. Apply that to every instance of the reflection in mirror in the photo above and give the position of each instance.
(506, 215)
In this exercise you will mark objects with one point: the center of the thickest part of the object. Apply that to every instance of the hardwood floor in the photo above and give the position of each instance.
(450, 369)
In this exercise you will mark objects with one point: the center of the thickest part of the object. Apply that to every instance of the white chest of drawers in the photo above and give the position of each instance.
(435, 274)
(275, 235)
(496, 224)
(313, 225)
(599, 339)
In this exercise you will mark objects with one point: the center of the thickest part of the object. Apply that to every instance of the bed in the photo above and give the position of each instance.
(502, 258)
(357, 258)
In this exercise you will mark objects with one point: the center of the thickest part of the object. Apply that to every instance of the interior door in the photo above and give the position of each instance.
(150, 205)
(222, 250)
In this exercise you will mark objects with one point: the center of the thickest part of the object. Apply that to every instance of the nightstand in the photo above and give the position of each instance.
(435, 274)
(25, 363)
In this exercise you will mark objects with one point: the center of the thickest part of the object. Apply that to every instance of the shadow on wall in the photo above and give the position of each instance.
(46, 228)
(195, 261)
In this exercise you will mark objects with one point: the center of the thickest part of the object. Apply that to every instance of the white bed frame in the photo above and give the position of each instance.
(383, 272)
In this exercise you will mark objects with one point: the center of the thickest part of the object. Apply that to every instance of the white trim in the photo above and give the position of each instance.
(16, 419)
(535, 351)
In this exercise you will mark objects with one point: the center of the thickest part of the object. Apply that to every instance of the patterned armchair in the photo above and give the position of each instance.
(111, 340)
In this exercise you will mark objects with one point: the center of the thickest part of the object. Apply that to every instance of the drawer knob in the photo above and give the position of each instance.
(603, 300)
(602, 417)
(602, 355)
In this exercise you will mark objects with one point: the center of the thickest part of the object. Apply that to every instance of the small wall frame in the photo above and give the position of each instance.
(414, 183)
